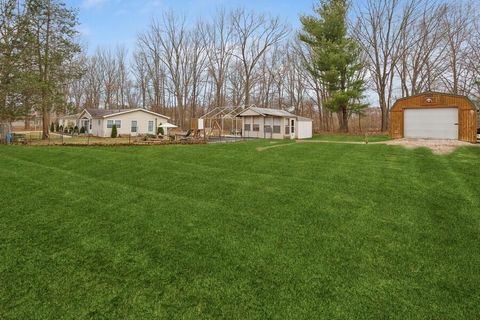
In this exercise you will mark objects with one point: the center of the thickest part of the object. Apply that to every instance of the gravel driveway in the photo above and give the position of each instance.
(437, 146)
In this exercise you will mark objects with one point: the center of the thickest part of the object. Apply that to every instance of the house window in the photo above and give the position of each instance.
(293, 126)
(247, 127)
(268, 129)
(134, 126)
(287, 129)
(276, 129)
(150, 126)
(256, 127)
(110, 123)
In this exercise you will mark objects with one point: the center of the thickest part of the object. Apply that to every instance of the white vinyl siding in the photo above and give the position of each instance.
(305, 129)
(275, 127)
(142, 118)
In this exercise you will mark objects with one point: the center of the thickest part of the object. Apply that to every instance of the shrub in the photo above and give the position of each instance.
(160, 131)
(149, 137)
(52, 127)
(82, 130)
(75, 130)
(114, 132)
(57, 127)
(60, 128)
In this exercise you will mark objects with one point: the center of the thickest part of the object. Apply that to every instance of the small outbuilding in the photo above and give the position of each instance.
(434, 115)
(274, 124)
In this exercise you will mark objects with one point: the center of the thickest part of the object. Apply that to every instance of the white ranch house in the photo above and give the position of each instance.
(99, 122)
(274, 124)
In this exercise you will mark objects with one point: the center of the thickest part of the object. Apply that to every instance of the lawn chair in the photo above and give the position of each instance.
(183, 137)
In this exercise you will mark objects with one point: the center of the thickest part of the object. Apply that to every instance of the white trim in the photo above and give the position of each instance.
(82, 113)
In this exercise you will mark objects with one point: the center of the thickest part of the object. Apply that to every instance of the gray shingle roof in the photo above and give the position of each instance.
(272, 112)
(105, 112)
(277, 113)
(303, 119)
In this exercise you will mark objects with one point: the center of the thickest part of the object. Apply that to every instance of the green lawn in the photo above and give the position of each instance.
(308, 231)
(350, 138)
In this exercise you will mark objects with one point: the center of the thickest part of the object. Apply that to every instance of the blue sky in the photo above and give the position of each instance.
(112, 22)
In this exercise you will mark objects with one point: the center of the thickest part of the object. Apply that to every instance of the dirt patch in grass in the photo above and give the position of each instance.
(260, 149)
(437, 146)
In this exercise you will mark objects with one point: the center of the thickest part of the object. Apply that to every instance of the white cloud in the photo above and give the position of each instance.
(93, 3)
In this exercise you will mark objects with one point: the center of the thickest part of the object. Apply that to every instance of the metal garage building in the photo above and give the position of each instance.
(434, 115)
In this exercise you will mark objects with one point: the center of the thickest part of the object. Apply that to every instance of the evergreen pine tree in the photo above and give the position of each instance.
(336, 58)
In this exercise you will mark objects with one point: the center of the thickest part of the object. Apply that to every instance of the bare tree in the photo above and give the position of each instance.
(421, 66)
(196, 57)
(217, 37)
(93, 83)
(379, 32)
(458, 28)
(474, 57)
(107, 65)
(173, 45)
(255, 34)
(121, 75)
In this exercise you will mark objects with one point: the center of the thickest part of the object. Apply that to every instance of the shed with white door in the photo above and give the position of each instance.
(274, 124)
(434, 115)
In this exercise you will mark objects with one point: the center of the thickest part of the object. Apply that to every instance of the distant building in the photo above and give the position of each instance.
(33, 121)
(99, 122)
(274, 124)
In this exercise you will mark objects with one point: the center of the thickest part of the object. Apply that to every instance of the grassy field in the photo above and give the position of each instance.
(225, 231)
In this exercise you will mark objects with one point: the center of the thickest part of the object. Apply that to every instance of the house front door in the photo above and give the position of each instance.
(85, 123)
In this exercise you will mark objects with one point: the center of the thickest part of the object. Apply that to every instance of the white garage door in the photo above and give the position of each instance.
(441, 123)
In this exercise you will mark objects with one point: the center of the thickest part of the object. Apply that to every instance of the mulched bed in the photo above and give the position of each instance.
(132, 144)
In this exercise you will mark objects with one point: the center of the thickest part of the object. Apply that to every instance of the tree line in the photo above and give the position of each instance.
(342, 57)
